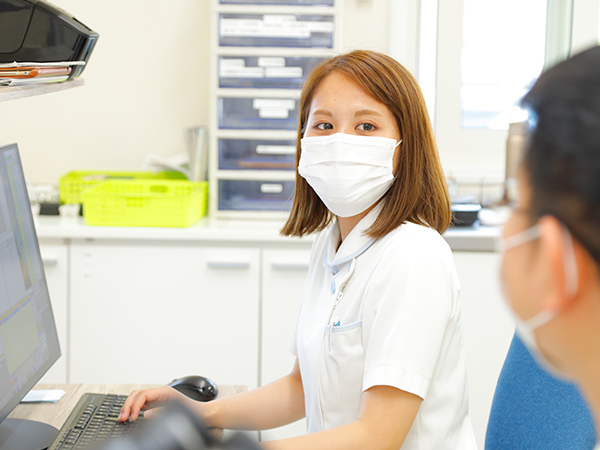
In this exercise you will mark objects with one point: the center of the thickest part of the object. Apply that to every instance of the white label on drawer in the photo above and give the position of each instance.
(275, 149)
(283, 72)
(278, 18)
(273, 112)
(239, 27)
(241, 72)
(271, 61)
(259, 103)
(233, 62)
(271, 188)
(319, 27)
(258, 28)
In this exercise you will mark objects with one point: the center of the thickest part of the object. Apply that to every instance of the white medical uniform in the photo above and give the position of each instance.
(384, 312)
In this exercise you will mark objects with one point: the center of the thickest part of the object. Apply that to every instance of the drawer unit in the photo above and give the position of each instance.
(254, 195)
(257, 154)
(276, 30)
(258, 113)
(265, 72)
(262, 52)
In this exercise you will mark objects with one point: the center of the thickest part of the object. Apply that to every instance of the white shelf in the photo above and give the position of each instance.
(16, 92)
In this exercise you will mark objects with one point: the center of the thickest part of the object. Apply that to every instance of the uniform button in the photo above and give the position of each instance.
(333, 287)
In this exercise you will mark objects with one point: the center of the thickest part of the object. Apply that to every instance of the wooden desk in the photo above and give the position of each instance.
(56, 414)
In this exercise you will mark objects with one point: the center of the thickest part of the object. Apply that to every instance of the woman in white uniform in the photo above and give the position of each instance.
(380, 359)
(551, 265)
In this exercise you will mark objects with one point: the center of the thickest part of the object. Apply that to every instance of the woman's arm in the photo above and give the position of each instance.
(276, 404)
(385, 418)
(273, 405)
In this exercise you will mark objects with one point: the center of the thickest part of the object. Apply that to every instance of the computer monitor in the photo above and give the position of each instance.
(28, 339)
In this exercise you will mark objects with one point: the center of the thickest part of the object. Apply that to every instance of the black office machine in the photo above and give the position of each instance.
(37, 31)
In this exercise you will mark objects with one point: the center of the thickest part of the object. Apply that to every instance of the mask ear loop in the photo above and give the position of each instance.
(518, 239)
(571, 272)
(397, 171)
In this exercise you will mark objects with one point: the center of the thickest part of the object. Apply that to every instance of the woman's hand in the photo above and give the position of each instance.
(146, 400)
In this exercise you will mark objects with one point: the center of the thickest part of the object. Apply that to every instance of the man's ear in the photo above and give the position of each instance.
(557, 248)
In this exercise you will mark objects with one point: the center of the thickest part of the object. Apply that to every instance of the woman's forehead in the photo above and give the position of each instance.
(338, 90)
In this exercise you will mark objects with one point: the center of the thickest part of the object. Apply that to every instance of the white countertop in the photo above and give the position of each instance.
(477, 238)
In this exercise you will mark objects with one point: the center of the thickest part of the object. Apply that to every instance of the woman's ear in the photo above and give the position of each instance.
(560, 262)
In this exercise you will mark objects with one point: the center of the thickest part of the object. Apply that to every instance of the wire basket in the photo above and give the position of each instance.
(74, 183)
(145, 203)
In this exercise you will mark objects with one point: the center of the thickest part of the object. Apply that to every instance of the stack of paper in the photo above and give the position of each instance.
(20, 73)
(193, 163)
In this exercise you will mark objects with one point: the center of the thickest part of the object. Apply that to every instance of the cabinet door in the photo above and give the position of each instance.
(56, 268)
(487, 329)
(149, 313)
(284, 275)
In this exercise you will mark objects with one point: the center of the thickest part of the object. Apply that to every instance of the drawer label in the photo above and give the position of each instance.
(271, 61)
(283, 72)
(273, 112)
(265, 28)
(258, 103)
(241, 72)
(236, 68)
(271, 108)
(274, 26)
(275, 149)
(271, 188)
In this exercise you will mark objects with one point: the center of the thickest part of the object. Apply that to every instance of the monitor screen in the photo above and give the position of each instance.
(28, 340)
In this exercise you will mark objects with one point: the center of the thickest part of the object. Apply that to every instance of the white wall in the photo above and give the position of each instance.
(366, 24)
(147, 81)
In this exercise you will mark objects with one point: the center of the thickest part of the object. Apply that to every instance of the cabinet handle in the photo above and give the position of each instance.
(229, 264)
(289, 266)
(50, 262)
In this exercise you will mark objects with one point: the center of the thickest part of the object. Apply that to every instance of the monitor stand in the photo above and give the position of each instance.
(22, 434)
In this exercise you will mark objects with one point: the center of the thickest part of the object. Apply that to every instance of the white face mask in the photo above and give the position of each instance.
(349, 173)
(526, 328)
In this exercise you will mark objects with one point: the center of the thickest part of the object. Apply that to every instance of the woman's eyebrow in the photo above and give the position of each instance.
(322, 112)
(367, 112)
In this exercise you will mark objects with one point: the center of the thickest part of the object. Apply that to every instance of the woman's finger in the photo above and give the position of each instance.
(140, 400)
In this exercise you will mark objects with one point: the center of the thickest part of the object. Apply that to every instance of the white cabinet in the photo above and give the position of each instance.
(146, 306)
(487, 329)
(283, 277)
(150, 312)
(56, 268)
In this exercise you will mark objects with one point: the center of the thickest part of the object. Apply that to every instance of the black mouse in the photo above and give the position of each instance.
(196, 387)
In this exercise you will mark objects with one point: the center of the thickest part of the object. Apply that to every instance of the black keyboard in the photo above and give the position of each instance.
(93, 420)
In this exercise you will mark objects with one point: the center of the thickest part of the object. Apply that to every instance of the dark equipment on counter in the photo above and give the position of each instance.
(464, 214)
(37, 31)
(196, 387)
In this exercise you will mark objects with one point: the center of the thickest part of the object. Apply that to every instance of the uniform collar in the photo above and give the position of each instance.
(356, 243)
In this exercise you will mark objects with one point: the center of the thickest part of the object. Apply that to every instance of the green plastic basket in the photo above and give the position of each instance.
(74, 183)
(145, 203)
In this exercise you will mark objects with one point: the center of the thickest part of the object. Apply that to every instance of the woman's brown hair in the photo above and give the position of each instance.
(419, 193)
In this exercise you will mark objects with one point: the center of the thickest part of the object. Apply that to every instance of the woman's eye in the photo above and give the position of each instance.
(324, 126)
(366, 127)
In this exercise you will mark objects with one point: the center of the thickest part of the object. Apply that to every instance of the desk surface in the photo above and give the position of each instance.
(56, 414)
(255, 232)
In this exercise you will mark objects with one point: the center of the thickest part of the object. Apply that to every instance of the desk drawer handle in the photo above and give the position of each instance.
(289, 266)
(229, 264)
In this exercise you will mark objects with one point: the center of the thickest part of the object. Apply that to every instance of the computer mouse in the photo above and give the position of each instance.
(196, 387)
